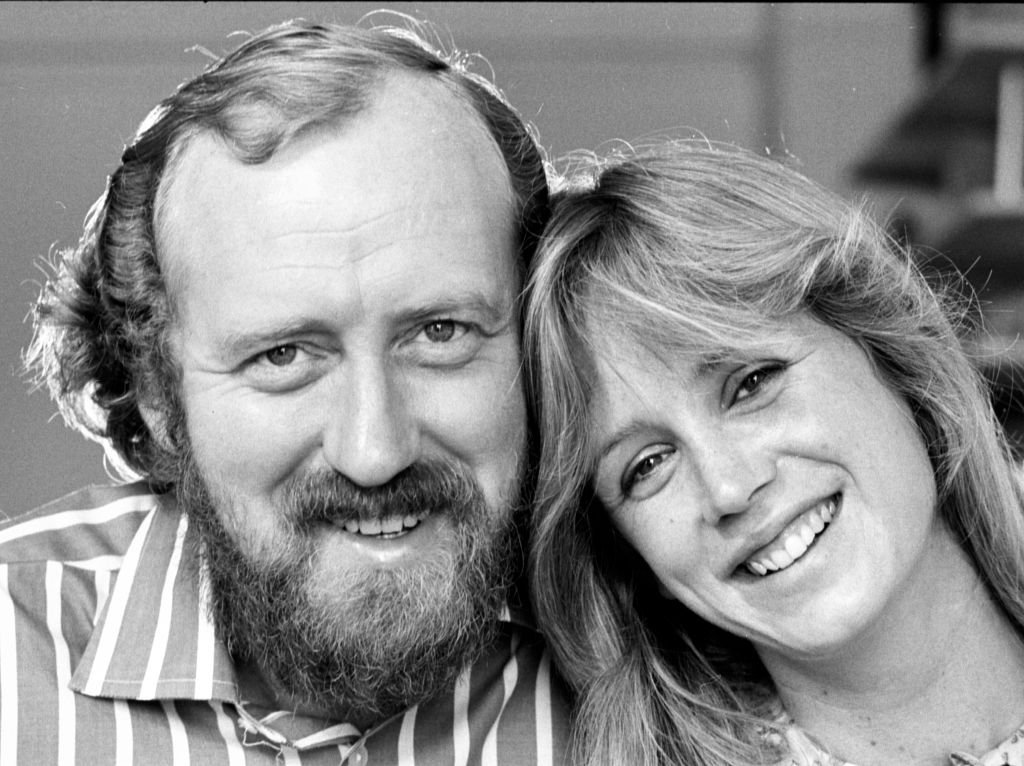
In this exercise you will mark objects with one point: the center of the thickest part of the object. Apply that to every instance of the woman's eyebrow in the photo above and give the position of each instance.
(619, 435)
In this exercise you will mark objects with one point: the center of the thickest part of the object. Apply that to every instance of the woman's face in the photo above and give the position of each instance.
(787, 498)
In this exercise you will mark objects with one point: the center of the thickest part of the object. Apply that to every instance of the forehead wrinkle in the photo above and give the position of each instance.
(363, 248)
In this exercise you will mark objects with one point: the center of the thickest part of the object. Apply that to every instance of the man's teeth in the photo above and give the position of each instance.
(794, 541)
(386, 527)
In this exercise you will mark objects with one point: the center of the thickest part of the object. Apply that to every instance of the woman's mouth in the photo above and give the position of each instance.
(795, 540)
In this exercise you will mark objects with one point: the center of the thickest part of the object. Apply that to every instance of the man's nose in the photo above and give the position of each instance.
(370, 435)
(731, 467)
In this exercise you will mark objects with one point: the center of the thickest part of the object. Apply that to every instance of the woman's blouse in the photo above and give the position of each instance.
(804, 751)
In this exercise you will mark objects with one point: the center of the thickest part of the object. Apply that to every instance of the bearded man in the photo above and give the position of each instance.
(292, 314)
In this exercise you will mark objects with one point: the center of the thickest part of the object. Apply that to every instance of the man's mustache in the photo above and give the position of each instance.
(422, 487)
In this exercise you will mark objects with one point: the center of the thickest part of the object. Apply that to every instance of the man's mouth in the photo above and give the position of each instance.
(387, 527)
(795, 540)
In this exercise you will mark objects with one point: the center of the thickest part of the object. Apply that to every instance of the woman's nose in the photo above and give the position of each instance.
(731, 467)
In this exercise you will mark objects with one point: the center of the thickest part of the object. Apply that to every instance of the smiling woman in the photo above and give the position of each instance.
(777, 522)
(723, 470)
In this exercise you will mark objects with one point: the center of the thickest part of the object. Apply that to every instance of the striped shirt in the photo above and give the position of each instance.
(107, 656)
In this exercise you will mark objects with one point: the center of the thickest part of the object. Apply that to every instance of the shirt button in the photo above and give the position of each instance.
(359, 756)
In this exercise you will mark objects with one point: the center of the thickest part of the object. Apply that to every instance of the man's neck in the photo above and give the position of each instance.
(261, 693)
(914, 691)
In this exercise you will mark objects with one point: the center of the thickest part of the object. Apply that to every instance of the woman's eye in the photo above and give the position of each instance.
(648, 464)
(754, 381)
(643, 469)
(281, 356)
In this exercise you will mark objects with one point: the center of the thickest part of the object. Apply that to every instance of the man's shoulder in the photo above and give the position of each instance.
(86, 525)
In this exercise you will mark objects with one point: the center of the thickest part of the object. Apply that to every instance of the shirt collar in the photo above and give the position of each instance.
(154, 638)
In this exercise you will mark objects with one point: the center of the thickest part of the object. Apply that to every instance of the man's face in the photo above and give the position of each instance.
(350, 383)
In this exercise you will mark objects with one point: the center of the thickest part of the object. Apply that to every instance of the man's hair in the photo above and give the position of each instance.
(101, 322)
(690, 248)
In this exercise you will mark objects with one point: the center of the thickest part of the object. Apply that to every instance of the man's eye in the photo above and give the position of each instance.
(441, 343)
(281, 356)
(441, 330)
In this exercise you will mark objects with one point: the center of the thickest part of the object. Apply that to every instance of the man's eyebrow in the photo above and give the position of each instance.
(495, 313)
(242, 342)
(493, 307)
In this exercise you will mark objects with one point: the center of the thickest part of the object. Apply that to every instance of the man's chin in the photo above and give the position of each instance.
(368, 644)
(331, 630)
(363, 643)
(395, 638)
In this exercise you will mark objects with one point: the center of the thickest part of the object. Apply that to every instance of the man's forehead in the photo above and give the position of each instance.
(415, 130)
(415, 110)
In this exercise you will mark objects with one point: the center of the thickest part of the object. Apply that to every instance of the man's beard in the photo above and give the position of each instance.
(386, 639)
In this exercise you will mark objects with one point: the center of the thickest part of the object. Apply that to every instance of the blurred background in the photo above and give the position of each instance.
(919, 105)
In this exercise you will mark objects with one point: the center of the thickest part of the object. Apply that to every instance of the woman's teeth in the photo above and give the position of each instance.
(794, 541)
(391, 526)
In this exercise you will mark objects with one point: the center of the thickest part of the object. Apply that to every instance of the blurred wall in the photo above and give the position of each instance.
(816, 80)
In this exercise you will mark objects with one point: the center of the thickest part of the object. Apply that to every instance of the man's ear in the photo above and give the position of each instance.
(156, 421)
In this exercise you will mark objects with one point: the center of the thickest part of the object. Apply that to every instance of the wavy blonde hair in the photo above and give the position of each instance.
(688, 247)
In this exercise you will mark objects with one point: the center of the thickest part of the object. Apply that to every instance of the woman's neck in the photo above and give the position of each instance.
(936, 675)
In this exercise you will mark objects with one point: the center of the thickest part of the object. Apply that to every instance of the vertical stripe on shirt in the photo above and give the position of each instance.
(125, 747)
(161, 636)
(226, 727)
(8, 675)
(115, 613)
(206, 651)
(179, 737)
(406, 751)
(62, 664)
(460, 724)
(101, 582)
(509, 678)
(543, 717)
